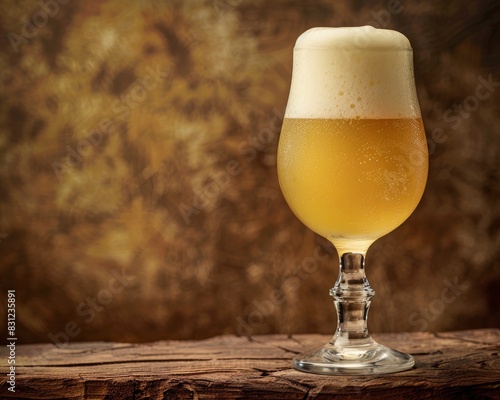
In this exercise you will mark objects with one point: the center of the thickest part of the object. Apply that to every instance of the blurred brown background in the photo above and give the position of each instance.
(139, 194)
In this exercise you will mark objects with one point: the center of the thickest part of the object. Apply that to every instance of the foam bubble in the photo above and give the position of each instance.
(372, 68)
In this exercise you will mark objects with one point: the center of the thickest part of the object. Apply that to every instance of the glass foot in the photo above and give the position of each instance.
(362, 359)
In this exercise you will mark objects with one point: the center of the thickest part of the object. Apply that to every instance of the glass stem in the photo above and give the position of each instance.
(352, 294)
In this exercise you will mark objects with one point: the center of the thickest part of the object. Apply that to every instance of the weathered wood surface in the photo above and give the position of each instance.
(452, 365)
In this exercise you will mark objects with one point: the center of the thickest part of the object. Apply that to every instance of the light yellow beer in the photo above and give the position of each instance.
(355, 179)
(352, 165)
(352, 156)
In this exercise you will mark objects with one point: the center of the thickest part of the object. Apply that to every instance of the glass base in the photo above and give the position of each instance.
(353, 359)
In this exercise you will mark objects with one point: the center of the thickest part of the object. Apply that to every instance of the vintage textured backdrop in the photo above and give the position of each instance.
(139, 194)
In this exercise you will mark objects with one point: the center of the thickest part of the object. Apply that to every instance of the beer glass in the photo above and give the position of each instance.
(352, 165)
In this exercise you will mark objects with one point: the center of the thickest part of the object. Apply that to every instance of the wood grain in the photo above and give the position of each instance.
(453, 365)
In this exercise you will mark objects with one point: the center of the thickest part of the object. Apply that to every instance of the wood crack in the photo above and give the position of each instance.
(448, 336)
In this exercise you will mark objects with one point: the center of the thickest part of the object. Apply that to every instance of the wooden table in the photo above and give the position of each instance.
(452, 365)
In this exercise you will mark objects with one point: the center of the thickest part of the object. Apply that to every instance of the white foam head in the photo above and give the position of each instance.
(359, 72)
